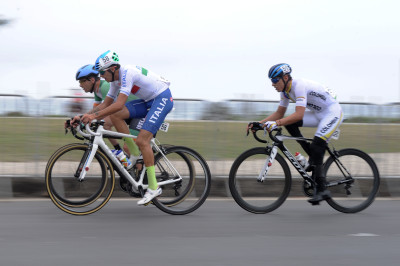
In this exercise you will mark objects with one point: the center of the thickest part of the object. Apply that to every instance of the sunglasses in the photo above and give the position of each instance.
(275, 80)
(104, 71)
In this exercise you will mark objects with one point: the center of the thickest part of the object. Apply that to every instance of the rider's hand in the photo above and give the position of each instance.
(252, 126)
(87, 118)
(270, 125)
(75, 121)
(67, 124)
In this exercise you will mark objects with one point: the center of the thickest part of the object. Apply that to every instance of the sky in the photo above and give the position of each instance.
(210, 50)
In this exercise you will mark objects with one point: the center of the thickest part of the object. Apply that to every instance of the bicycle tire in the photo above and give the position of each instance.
(74, 196)
(186, 196)
(365, 183)
(259, 197)
(74, 203)
(61, 148)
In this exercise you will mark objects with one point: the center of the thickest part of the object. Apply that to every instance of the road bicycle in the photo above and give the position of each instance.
(80, 177)
(260, 179)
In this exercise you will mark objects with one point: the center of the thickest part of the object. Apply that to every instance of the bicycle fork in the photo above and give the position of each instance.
(267, 164)
(86, 161)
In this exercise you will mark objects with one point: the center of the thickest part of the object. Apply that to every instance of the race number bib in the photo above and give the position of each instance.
(331, 92)
(336, 134)
(164, 126)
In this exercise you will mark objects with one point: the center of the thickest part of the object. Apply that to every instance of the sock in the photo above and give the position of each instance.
(133, 148)
(151, 177)
(117, 147)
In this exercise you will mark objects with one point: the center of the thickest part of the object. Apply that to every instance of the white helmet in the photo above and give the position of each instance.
(106, 60)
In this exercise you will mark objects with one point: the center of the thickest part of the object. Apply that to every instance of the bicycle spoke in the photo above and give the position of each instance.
(355, 192)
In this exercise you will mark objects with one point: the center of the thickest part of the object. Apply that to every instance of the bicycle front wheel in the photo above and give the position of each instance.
(252, 195)
(353, 180)
(193, 180)
(74, 196)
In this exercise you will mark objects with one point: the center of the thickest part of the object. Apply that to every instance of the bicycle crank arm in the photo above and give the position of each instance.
(335, 183)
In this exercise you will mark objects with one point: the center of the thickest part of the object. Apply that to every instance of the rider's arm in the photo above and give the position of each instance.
(278, 114)
(293, 118)
(110, 107)
(300, 94)
(98, 107)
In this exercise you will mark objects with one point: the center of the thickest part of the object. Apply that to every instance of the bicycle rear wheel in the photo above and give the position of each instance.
(63, 185)
(361, 175)
(252, 195)
(186, 195)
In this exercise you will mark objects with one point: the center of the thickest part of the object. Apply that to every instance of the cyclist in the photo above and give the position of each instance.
(155, 102)
(89, 81)
(324, 112)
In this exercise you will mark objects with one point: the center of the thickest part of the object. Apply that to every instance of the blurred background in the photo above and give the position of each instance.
(33, 129)
(216, 54)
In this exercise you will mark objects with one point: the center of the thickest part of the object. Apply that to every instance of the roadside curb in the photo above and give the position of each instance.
(34, 187)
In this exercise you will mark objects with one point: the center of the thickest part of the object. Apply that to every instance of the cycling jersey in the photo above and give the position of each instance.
(324, 111)
(100, 96)
(309, 94)
(139, 81)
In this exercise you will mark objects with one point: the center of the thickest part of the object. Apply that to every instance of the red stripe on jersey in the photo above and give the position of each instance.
(135, 89)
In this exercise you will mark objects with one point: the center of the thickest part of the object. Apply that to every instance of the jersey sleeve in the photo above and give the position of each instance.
(104, 88)
(113, 92)
(301, 94)
(97, 99)
(129, 77)
(284, 101)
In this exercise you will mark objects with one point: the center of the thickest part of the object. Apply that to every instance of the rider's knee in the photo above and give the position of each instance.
(108, 124)
(143, 140)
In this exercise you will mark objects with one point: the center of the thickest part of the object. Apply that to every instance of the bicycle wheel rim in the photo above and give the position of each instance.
(195, 186)
(257, 197)
(364, 186)
(74, 196)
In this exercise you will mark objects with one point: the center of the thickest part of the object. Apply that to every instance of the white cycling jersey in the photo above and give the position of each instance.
(139, 81)
(312, 95)
(324, 111)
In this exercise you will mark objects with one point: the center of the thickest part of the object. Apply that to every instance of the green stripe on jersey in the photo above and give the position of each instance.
(144, 71)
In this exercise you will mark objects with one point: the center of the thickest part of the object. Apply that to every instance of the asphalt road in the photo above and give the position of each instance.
(35, 232)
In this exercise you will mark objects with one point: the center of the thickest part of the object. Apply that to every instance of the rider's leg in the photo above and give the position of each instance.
(143, 141)
(318, 147)
(294, 131)
(118, 119)
(108, 126)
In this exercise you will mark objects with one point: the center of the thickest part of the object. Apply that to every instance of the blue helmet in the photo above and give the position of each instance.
(279, 70)
(86, 71)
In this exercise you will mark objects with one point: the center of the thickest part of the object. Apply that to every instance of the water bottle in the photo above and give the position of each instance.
(301, 159)
(122, 158)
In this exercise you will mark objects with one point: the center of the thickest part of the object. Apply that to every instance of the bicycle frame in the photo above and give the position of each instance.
(96, 141)
(278, 143)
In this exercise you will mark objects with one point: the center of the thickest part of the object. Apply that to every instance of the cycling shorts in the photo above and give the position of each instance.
(327, 122)
(154, 110)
